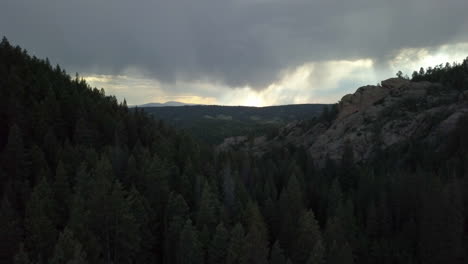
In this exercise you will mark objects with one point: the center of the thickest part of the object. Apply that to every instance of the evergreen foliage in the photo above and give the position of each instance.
(85, 179)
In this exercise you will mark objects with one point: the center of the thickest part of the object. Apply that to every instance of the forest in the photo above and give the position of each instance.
(85, 179)
(211, 124)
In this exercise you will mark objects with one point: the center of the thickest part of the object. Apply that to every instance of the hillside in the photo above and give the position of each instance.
(212, 123)
(396, 114)
(85, 179)
(79, 170)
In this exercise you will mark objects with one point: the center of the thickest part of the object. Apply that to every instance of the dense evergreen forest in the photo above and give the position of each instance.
(85, 179)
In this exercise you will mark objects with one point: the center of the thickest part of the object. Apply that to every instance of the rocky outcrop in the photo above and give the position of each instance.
(376, 118)
(232, 142)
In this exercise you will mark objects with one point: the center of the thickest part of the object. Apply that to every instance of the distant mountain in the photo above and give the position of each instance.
(169, 103)
(214, 123)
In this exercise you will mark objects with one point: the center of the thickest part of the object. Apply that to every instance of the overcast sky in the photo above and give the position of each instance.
(238, 52)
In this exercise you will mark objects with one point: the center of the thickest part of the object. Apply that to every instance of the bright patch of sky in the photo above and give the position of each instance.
(313, 82)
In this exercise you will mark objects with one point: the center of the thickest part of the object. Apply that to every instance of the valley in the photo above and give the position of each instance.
(213, 123)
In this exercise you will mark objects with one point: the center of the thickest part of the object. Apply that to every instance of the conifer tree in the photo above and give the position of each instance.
(22, 256)
(235, 253)
(14, 166)
(62, 193)
(176, 216)
(10, 231)
(147, 226)
(291, 206)
(207, 213)
(68, 249)
(218, 247)
(341, 254)
(256, 240)
(441, 227)
(317, 256)
(277, 254)
(308, 238)
(41, 232)
(189, 248)
(335, 199)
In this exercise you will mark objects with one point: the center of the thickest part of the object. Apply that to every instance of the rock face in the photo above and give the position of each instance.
(232, 142)
(376, 118)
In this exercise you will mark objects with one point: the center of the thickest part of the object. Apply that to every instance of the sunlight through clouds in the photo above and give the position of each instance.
(310, 83)
(409, 60)
(313, 82)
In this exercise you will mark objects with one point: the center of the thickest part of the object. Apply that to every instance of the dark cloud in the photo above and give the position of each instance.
(243, 42)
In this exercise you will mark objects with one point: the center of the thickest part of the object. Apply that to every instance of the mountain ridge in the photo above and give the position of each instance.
(371, 120)
(168, 103)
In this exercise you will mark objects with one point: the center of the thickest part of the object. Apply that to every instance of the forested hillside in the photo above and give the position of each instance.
(84, 179)
(213, 123)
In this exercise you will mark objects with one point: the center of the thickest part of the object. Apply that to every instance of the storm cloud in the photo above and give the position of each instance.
(234, 43)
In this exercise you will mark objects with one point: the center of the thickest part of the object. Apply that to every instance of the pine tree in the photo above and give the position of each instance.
(454, 221)
(189, 248)
(373, 234)
(78, 256)
(272, 216)
(207, 213)
(50, 145)
(345, 213)
(347, 174)
(38, 164)
(291, 206)
(13, 155)
(81, 217)
(341, 254)
(308, 237)
(228, 187)
(123, 227)
(68, 249)
(204, 237)
(41, 232)
(421, 71)
(277, 254)
(176, 216)
(256, 240)
(62, 193)
(83, 135)
(14, 166)
(144, 219)
(442, 224)
(335, 199)
(110, 217)
(132, 171)
(317, 256)
(21, 257)
(338, 248)
(218, 247)
(155, 185)
(235, 251)
(10, 231)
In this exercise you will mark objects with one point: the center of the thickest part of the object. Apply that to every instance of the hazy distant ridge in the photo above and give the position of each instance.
(169, 103)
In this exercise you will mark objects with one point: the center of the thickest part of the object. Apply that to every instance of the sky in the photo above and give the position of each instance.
(238, 52)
